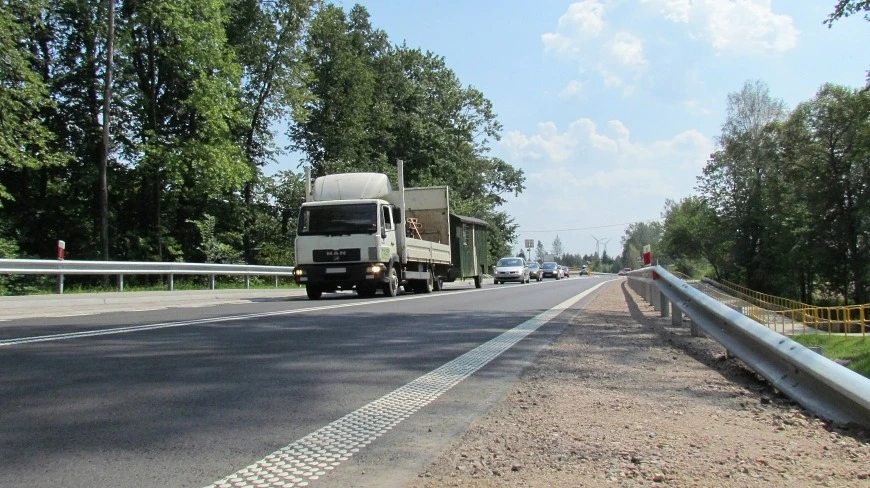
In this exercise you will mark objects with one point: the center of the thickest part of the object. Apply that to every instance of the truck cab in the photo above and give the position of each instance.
(343, 244)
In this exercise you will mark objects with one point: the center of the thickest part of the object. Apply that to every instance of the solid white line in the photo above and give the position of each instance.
(312, 456)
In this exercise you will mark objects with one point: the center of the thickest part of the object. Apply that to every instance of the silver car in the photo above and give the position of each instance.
(511, 269)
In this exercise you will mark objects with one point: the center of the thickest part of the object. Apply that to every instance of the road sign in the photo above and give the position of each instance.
(530, 243)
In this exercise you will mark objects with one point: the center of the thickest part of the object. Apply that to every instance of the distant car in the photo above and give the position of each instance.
(511, 269)
(552, 269)
(535, 271)
(624, 271)
(566, 272)
(584, 271)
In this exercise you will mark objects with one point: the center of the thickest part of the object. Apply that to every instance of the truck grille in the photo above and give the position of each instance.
(335, 255)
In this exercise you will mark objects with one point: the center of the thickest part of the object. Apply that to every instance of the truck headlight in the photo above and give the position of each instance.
(299, 272)
(375, 270)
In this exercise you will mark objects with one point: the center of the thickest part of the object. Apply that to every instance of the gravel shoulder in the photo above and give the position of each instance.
(623, 398)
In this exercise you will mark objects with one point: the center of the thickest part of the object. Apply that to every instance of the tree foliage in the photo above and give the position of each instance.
(200, 90)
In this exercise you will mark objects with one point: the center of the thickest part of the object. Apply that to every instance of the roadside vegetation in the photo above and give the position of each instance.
(853, 351)
(205, 98)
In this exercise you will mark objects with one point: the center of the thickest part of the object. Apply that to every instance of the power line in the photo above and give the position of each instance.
(596, 227)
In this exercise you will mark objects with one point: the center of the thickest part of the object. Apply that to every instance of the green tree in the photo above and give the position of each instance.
(182, 90)
(558, 250)
(375, 103)
(735, 180)
(540, 251)
(24, 98)
(637, 236)
(834, 166)
(692, 231)
(266, 37)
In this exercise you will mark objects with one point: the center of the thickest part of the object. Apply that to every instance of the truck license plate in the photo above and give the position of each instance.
(336, 270)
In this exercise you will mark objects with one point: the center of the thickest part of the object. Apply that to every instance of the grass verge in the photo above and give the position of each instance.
(854, 349)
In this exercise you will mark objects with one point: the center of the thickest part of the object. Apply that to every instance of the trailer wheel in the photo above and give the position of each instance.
(391, 288)
(439, 284)
(478, 281)
(313, 292)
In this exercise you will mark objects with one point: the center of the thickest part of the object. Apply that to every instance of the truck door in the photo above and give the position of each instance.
(388, 233)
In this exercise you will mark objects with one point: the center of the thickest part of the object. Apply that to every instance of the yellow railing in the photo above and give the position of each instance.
(791, 316)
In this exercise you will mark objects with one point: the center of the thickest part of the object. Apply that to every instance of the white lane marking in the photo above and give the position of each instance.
(167, 325)
(312, 456)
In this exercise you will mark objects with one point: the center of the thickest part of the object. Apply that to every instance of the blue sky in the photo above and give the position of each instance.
(610, 107)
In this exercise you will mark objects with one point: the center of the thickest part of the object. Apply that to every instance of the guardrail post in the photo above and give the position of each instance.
(656, 298)
(676, 315)
(665, 304)
(696, 331)
(247, 281)
(276, 281)
(211, 282)
(171, 282)
(120, 282)
(60, 284)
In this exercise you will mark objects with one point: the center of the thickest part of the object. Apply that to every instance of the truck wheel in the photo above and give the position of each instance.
(478, 281)
(439, 284)
(313, 292)
(391, 288)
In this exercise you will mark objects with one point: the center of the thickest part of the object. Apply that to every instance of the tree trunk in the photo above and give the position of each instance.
(104, 153)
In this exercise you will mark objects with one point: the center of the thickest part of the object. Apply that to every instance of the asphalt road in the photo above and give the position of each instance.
(280, 391)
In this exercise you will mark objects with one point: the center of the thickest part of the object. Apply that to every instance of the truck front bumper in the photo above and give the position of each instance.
(340, 276)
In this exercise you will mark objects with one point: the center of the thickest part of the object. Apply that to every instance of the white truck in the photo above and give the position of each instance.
(356, 233)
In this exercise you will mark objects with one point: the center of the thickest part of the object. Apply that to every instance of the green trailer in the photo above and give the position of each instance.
(468, 248)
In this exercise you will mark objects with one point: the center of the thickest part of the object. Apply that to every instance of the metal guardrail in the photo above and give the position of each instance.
(121, 268)
(815, 382)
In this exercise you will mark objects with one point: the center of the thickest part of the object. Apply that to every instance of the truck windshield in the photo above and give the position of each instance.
(359, 218)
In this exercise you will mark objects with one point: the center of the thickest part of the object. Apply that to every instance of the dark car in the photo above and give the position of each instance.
(535, 271)
(584, 271)
(551, 269)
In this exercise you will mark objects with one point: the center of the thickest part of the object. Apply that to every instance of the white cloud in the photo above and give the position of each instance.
(582, 142)
(574, 89)
(550, 144)
(673, 10)
(733, 26)
(582, 36)
(583, 20)
(628, 49)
